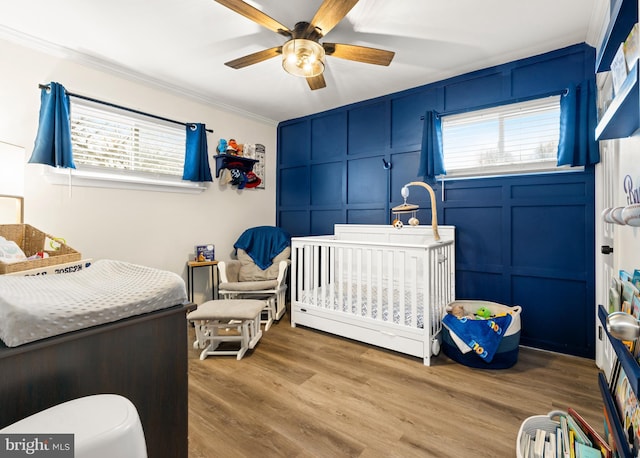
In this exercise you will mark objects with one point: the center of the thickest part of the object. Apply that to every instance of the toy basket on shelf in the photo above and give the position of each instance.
(531, 424)
(31, 241)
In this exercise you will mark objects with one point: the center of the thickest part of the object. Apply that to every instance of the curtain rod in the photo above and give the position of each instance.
(113, 105)
(509, 102)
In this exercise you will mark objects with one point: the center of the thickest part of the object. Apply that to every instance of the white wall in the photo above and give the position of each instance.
(157, 229)
(627, 238)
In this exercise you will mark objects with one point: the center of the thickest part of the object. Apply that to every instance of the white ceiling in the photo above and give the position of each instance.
(183, 44)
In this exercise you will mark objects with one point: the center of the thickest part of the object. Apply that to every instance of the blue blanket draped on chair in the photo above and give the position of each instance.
(482, 336)
(263, 243)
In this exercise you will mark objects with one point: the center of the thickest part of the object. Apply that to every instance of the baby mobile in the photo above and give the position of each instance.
(405, 209)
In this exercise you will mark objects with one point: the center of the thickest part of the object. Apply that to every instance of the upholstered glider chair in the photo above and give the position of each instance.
(260, 270)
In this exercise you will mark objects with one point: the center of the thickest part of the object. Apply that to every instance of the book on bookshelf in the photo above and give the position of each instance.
(614, 300)
(628, 291)
(628, 410)
(624, 275)
(605, 92)
(635, 306)
(631, 48)
(618, 69)
(635, 279)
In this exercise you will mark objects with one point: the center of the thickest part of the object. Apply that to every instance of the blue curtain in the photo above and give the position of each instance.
(196, 160)
(431, 158)
(53, 141)
(578, 119)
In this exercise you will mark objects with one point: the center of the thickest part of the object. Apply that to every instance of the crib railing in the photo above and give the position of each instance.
(409, 285)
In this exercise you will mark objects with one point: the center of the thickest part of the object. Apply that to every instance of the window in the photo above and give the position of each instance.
(113, 147)
(516, 138)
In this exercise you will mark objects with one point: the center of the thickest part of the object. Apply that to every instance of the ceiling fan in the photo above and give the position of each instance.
(303, 54)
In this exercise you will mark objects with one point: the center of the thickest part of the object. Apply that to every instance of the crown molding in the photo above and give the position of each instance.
(598, 23)
(63, 52)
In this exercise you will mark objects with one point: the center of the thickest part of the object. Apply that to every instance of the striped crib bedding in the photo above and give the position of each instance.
(370, 301)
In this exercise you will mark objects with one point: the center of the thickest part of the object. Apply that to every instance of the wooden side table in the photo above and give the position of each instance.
(213, 267)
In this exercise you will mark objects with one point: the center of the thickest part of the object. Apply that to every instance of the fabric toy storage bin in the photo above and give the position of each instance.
(531, 424)
(507, 353)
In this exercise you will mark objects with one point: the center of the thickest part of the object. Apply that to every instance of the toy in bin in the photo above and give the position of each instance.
(481, 334)
(205, 253)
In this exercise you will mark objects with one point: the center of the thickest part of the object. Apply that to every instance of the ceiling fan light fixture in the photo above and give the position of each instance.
(302, 57)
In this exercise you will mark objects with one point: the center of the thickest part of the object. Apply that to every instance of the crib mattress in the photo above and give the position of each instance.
(333, 301)
(36, 307)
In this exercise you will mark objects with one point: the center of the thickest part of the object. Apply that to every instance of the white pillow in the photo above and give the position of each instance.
(10, 251)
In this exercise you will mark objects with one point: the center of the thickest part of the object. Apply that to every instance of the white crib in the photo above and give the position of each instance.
(376, 284)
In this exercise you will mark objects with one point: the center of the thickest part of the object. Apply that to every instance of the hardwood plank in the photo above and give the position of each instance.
(305, 393)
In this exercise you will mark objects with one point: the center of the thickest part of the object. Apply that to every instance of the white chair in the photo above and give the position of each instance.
(243, 278)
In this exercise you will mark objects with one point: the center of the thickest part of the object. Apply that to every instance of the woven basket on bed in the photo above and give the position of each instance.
(31, 240)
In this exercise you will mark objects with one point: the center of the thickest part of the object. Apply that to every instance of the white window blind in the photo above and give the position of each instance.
(112, 139)
(515, 138)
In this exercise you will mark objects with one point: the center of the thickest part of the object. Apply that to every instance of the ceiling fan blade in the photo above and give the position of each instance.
(359, 53)
(254, 58)
(330, 13)
(255, 15)
(316, 82)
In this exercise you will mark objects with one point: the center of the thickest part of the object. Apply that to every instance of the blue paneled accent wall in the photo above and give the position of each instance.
(521, 240)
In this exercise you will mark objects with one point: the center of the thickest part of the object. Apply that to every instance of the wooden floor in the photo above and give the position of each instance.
(304, 393)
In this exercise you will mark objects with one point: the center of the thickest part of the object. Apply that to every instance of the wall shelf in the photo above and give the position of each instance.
(624, 14)
(628, 363)
(615, 427)
(223, 161)
(622, 117)
(631, 368)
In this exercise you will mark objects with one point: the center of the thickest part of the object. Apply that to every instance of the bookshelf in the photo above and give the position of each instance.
(631, 368)
(622, 117)
(623, 14)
